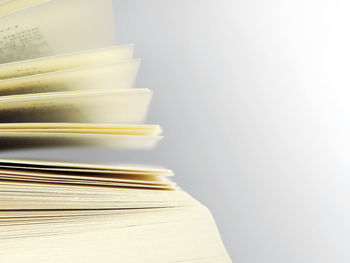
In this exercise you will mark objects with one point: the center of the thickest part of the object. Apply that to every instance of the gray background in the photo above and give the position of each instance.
(253, 97)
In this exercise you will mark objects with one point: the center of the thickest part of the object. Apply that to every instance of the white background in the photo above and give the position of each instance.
(254, 100)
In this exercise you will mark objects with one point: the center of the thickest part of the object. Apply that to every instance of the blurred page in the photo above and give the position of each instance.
(18, 141)
(10, 6)
(55, 27)
(66, 61)
(116, 129)
(59, 166)
(120, 75)
(106, 106)
(96, 126)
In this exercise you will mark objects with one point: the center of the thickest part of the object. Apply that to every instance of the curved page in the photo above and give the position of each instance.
(11, 6)
(120, 75)
(33, 32)
(83, 168)
(106, 106)
(18, 140)
(93, 57)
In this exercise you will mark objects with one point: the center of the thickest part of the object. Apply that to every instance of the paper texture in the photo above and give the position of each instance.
(93, 57)
(17, 140)
(46, 165)
(120, 75)
(11, 6)
(105, 106)
(55, 27)
(151, 130)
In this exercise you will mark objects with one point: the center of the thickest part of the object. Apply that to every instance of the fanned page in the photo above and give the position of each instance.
(104, 106)
(94, 128)
(33, 32)
(84, 167)
(117, 176)
(73, 100)
(94, 57)
(119, 75)
(10, 141)
(64, 83)
(28, 135)
(122, 186)
(11, 6)
(101, 213)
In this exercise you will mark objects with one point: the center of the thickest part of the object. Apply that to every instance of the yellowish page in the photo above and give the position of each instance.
(8, 7)
(73, 60)
(47, 165)
(106, 106)
(55, 27)
(10, 141)
(121, 75)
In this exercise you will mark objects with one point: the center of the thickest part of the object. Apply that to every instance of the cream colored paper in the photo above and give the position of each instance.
(84, 131)
(84, 58)
(104, 126)
(131, 177)
(158, 234)
(55, 166)
(55, 27)
(93, 183)
(109, 214)
(11, 6)
(106, 106)
(115, 76)
(20, 140)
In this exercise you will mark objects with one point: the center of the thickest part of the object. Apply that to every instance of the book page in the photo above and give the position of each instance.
(78, 59)
(92, 198)
(130, 169)
(96, 126)
(10, 141)
(82, 131)
(120, 75)
(89, 182)
(106, 106)
(94, 236)
(124, 129)
(55, 27)
(129, 177)
(48, 165)
(11, 6)
(90, 131)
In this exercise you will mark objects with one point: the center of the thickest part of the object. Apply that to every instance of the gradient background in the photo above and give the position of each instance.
(254, 100)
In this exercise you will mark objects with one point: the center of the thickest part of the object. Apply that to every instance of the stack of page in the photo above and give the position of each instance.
(70, 212)
(52, 101)
(63, 82)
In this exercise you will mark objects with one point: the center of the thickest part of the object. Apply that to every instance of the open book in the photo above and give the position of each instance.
(63, 88)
